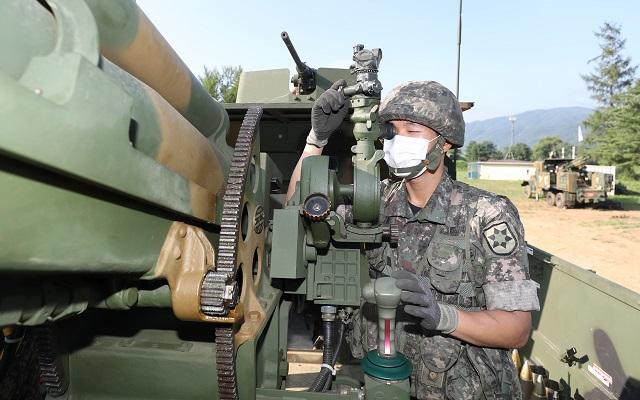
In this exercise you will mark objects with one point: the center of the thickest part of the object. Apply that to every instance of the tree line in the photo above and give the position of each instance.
(487, 150)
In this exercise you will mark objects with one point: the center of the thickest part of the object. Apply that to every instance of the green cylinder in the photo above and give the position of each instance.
(131, 41)
(27, 30)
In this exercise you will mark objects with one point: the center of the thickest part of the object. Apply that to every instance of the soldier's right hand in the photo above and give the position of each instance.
(327, 114)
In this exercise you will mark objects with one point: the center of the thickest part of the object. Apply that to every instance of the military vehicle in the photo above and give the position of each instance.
(147, 251)
(566, 183)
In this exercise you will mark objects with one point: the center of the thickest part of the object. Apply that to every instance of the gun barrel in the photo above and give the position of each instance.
(300, 66)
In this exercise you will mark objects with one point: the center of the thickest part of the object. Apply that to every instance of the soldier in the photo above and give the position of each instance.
(461, 258)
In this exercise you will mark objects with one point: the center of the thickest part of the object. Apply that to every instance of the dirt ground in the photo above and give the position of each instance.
(605, 241)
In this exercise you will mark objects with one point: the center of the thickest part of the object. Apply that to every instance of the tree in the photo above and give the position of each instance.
(222, 84)
(614, 72)
(521, 151)
(618, 143)
(482, 151)
(548, 144)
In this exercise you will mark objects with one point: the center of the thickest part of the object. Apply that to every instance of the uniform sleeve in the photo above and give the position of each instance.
(507, 284)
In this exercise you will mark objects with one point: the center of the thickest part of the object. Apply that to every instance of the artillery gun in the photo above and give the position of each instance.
(147, 250)
(566, 183)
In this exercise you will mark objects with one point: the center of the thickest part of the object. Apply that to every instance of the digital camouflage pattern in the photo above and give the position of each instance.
(447, 241)
(427, 103)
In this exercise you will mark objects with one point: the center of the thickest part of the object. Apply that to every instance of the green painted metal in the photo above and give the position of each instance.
(26, 30)
(598, 317)
(159, 297)
(382, 389)
(337, 277)
(258, 360)
(396, 368)
(287, 261)
(53, 226)
(64, 95)
(149, 364)
(272, 86)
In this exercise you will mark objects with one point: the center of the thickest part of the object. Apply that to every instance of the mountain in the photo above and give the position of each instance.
(530, 126)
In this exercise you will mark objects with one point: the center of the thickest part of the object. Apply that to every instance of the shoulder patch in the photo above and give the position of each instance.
(500, 238)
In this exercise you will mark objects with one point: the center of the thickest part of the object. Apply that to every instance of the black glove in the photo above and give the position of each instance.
(434, 315)
(327, 114)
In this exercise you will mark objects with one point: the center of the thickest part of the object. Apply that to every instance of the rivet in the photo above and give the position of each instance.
(177, 253)
(38, 91)
(253, 316)
(182, 231)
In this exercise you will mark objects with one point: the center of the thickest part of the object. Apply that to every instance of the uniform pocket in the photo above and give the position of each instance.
(445, 261)
(488, 364)
(438, 354)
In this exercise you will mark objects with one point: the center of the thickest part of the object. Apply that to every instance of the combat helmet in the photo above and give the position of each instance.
(427, 103)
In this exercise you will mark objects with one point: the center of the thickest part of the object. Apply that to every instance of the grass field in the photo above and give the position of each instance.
(513, 190)
(630, 201)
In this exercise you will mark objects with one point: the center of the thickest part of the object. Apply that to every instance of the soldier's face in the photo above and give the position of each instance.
(412, 129)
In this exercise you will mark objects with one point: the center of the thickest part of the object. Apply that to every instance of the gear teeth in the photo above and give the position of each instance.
(215, 283)
(52, 374)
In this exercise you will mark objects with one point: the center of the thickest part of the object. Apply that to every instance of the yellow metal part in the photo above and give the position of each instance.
(7, 330)
(185, 258)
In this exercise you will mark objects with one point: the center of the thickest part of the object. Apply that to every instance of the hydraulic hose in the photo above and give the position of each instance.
(338, 346)
(327, 358)
(332, 345)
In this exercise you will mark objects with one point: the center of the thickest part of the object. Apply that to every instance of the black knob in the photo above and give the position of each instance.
(316, 207)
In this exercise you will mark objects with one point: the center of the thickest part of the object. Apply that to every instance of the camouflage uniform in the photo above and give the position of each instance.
(470, 244)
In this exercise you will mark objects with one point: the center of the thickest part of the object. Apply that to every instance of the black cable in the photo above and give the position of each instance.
(327, 358)
(338, 346)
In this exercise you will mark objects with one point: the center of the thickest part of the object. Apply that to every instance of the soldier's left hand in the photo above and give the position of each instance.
(421, 303)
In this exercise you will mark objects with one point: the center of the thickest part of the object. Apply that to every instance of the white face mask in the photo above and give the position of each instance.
(403, 153)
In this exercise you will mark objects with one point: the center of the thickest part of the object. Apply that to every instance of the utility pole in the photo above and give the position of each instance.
(459, 45)
(455, 151)
(509, 155)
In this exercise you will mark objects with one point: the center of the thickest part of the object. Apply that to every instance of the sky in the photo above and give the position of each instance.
(516, 55)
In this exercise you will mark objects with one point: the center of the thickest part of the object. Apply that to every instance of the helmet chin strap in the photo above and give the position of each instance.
(430, 163)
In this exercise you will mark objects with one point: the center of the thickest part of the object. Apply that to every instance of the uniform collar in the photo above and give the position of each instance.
(436, 210)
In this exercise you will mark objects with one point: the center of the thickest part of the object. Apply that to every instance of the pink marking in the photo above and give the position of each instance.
(387, 336)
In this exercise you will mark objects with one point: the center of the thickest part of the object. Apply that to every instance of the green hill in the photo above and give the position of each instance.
(530, 126)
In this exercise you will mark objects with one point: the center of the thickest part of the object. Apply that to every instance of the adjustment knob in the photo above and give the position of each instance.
(316, 207)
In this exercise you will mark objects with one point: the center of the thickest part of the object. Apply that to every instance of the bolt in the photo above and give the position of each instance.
(254, 316)
(38, 91)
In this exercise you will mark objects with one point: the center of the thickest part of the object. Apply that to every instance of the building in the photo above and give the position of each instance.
(500, 170)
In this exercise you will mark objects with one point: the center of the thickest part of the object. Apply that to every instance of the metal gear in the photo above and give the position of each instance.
(52, 374)
(219, 291)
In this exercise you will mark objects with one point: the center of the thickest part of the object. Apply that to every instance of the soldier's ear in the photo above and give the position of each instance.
(447, 146)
